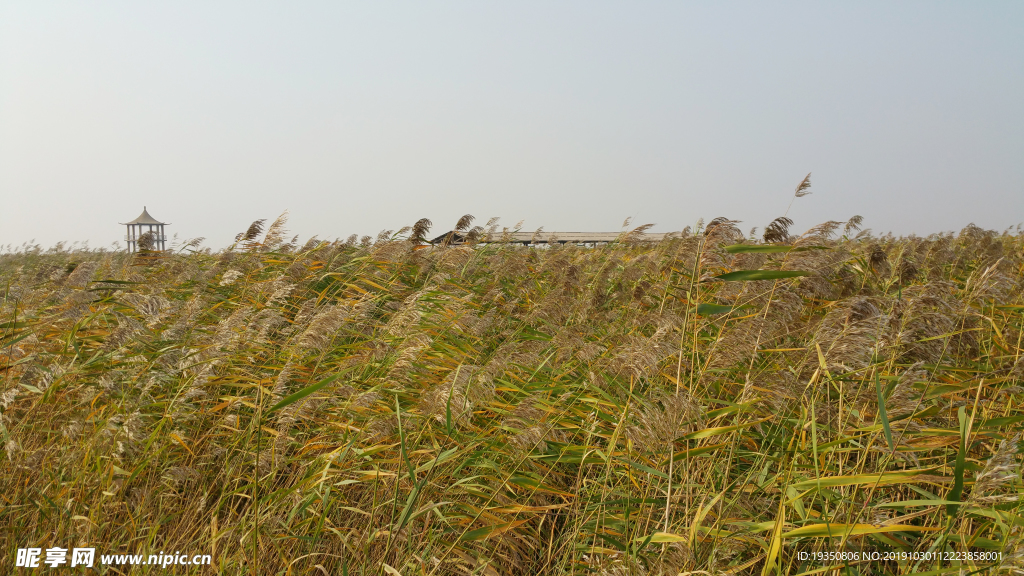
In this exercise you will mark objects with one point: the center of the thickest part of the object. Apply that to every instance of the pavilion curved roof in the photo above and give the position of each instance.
(143, 218)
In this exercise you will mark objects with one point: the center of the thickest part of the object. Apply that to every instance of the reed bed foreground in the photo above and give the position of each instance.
(382, 407)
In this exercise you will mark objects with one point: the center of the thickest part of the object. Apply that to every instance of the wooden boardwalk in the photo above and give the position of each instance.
(543, 237)
(576, 237)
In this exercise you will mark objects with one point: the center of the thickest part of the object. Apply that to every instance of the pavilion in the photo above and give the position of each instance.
(145, 224)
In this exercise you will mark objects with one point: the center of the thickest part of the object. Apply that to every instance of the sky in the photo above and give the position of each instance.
(571, 116)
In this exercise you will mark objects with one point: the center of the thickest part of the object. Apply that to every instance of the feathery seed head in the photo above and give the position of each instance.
(805, 187)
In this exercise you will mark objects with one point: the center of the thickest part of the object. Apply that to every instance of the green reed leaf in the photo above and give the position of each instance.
(304, 392)
(746, 275)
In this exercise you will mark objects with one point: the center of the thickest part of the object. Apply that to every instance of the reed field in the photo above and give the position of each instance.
(719, 402)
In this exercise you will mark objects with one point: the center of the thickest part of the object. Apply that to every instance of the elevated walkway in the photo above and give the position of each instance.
(544, 237)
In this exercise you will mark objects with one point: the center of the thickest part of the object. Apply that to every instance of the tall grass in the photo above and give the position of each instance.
(381, 407)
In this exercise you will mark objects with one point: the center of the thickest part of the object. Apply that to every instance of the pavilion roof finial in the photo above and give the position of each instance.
(143, 218)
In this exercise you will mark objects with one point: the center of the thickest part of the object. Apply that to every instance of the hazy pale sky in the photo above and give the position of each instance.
(358, 117)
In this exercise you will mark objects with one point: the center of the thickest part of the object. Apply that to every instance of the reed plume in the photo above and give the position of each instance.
(777, 231)
(420, 230)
